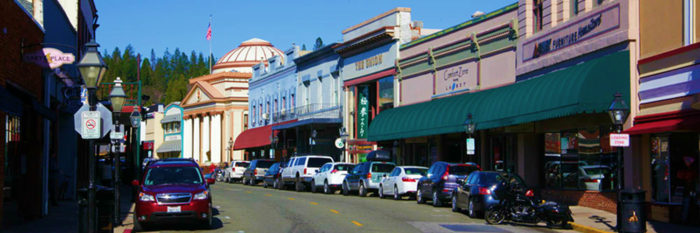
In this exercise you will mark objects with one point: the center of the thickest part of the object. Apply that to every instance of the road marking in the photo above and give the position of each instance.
(218, 207)
(227, 217)
(248, 192)
(357, 223)
(267, 194)
(313, 203)
(335, 211)
(291, 198)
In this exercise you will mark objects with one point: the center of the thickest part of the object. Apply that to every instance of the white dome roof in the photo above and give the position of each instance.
(243, 58)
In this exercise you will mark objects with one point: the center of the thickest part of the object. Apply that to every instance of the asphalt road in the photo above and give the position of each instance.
(241, 208)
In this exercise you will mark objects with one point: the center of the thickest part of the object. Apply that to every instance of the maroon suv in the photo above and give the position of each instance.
(172, 190)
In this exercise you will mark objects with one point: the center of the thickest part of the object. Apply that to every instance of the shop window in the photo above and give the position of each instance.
(579, 159)
(573, 7)
(245, 122)
(674, 167)
(537, 9)
(386, 93)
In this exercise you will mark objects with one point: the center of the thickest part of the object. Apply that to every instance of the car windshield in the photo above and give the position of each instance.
(489, 178)
(173, 175)
(462, 170)
(242, 164)
(318, 162)
(264, 163)
(416, 171)
(382, 167)
(344, 167)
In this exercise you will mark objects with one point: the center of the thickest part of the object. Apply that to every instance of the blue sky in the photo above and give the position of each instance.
(161, 24)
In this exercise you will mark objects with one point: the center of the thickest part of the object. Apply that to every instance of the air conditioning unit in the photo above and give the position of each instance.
(265, 116)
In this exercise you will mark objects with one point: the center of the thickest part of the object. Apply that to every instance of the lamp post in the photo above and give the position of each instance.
(92, 69)
(117, 97)
(312, 140)
(618, 112)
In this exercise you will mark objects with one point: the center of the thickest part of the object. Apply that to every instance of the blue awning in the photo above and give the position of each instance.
(308, 122)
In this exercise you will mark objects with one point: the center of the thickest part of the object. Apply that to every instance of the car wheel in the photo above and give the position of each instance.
(207, 224)
(381, 191)
(454, 203)
(298, 186)
(276, 184)
(264, 184)
(363, 191)
(436, 199)
(396, 193)
(419, 197)
(470, 209)
(345, 189)
(326, 188)
(138, 226)
(313, 186)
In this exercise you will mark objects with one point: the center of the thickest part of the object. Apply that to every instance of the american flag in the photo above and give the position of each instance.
(209, 32)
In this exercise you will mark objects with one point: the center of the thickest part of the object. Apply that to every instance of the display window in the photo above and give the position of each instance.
(674, 166)
(580, 159)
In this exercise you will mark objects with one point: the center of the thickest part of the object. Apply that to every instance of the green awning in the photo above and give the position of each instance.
(583, 88)
(170, 146)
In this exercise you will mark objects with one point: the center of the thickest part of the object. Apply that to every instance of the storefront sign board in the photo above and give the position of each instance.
(362, 111)
(456, 78)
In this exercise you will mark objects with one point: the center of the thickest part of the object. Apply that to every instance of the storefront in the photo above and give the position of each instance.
(172, 132)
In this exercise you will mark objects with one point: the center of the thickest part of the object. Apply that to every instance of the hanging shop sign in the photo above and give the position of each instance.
(362, 111)
(584, 29)
(339, 143)
(49, 58)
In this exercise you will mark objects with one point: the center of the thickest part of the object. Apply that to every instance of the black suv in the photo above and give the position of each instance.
(256, 171)
(441, 180)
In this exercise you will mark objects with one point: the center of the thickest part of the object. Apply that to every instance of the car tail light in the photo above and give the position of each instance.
(484, 191)
(591, 180)
(334, 171)
(369, 175)
(478, 167)
(255, 172)
(447, 173)
(529, 193)
(304, 171)
(407, 179)
(233, 169)
(446, 190)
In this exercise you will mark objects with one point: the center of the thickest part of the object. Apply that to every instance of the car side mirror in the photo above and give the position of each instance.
(316, 170)
(135, 183)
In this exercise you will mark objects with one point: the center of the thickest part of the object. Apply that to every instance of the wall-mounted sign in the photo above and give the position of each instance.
(368, 62)
(455, 78)
(362, 111)
(49, 58)
(583, 29)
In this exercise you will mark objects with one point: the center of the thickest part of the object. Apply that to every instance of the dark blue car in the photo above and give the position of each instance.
(475, 194)
(441, 180)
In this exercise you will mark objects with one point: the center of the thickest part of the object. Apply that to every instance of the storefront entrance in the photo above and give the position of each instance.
(502, 151)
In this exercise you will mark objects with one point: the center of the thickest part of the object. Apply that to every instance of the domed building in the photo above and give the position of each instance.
(248, 54)
(216, 105)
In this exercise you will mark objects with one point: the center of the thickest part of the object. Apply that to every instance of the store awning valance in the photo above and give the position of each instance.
(256, 137)
(666, 122)
(583, 88)
(170, 146)
(171, 118)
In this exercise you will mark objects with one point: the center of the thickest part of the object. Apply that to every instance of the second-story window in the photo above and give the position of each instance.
(573, 7)
(245, 121)
(537, 16)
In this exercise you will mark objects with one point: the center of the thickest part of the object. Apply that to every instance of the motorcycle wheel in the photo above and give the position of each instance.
(556, 223)
(494, 217)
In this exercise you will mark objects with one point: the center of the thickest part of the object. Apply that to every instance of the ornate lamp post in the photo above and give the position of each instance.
(117, 97)
(618, 112)
(92, 69)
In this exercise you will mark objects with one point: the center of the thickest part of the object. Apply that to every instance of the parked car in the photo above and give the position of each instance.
(441, 180)
(330, 177)
(270, 178)
(475, 194)
(365, 177)
(301, 170)
(401, 181)
(234, 172)
(146, 161)
(172, 190)
(211, 177)
(256, 171)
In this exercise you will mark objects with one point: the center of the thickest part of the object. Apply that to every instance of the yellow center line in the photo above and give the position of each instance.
(267, 194)
(291, 198)
(313, 203)
(248, 192)
(335, 211)
(357, 223)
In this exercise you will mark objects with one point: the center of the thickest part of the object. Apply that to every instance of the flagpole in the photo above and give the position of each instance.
(210, 47)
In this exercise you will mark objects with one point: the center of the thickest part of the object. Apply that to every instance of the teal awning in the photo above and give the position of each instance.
(583, 88)
(171, 118)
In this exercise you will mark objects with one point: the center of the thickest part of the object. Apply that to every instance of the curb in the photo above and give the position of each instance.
(586, 229)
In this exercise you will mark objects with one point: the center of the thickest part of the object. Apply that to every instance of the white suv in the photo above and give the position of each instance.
(300, 170)
(235, 171)
(330, 177)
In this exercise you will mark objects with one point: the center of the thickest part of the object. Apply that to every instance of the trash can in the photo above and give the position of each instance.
(105, 202)
(632, 214)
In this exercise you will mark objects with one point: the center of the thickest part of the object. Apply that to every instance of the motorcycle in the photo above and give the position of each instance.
(521, 206)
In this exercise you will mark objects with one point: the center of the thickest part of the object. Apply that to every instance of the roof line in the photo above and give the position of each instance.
(375, 18)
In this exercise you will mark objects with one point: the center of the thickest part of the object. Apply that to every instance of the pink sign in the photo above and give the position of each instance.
(583, 29)
(455, 78)
(619, 140)
(50, 58)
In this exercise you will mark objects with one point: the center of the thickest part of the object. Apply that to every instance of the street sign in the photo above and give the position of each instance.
(90, 123)
(105, 116)
(470, 146)
(339, 143)
(117, 134)
(619, 140)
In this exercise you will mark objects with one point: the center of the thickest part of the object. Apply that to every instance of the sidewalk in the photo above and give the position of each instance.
(591, 220)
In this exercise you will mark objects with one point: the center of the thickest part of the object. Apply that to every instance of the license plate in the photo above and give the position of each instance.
(174, 209)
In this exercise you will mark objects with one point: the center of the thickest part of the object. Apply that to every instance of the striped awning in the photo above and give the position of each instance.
(170, 146)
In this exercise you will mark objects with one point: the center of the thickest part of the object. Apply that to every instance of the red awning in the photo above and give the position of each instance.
(130, 108)
(255, 137)
(666, 122)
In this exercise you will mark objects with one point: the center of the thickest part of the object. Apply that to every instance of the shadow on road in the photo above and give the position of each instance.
(189, 226)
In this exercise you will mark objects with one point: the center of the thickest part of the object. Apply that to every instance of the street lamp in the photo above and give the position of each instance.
(92, 69)
(618, 112)
(117, 97)
(312, 140)
(135, 118)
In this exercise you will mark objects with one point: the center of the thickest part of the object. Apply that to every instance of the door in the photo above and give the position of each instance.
(390, 180)
(503, 149)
